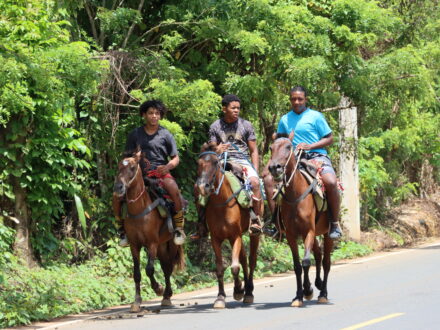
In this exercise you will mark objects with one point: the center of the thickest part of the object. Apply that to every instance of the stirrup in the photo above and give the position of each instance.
(255, 228)
(179, 236)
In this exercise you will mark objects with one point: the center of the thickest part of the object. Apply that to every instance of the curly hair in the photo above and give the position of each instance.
(155, 104)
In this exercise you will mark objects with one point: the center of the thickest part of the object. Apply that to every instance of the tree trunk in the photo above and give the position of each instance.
(22, 245)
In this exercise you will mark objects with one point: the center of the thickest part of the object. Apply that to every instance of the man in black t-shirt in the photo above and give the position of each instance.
(160, 149)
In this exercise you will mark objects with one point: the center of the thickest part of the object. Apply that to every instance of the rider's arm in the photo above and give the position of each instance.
(253, 150)
(324, 142)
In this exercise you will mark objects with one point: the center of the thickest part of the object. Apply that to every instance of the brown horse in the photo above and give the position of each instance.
(300, 218)
(145, 228)
(226, 220)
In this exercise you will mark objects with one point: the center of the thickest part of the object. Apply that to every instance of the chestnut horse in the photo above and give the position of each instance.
(145, 228)
(226, 220)
(300, 218)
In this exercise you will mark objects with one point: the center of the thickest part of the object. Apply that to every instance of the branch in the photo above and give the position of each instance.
(120, 104)
(14, 219)
(336, 108)
(91, 21)
(130, 30)
(405, 76)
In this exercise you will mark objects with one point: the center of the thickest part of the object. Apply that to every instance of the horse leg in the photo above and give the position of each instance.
(308, 246)
(166, 264)
(237, 246)
(318, 260)
(328, 245)
(220, 301)
(135, 253)
(298, 300)
(152, 253)
(249, 285)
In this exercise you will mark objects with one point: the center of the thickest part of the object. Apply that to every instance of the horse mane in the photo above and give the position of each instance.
(208, 146)
(281, 135)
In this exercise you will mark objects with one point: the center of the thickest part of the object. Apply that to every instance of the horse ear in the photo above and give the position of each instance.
(291, 135)
(204, 147)
(137, 153)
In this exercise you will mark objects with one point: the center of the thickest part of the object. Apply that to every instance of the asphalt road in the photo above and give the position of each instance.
(392, 290)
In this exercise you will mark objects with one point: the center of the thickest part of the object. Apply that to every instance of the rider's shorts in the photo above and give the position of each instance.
(249, 168)
(327, 166)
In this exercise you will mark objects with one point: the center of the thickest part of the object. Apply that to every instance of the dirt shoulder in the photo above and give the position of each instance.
(408, 224)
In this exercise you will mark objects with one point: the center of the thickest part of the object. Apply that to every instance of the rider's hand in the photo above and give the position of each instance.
(221, 148)
(163, 169)
(303, 146)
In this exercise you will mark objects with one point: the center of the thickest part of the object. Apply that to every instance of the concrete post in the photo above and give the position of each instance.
(348, 169)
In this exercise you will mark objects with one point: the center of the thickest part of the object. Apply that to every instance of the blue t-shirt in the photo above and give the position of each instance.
(309, 126)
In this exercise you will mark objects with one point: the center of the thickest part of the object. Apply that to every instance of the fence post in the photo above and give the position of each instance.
(348, 169)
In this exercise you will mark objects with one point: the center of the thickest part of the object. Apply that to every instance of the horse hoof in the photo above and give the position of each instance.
(297, 303)
(238, 296)
(220, 303)
(135, 308)
(322, 300)
(306, 263)
(166, 302)
(248, 299)
(309, 296)
(159, 290)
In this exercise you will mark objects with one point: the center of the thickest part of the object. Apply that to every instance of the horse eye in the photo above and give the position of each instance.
(288, 147)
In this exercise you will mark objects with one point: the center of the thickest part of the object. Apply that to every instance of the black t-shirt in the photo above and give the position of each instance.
(157, 147)
(237, 134)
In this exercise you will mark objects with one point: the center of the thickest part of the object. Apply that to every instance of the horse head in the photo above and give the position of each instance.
(281, 153)
(128, 168)
(207, 166)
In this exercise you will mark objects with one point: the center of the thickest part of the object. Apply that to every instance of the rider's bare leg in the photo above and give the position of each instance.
(172, 189)
(256, 225)
(334, 200)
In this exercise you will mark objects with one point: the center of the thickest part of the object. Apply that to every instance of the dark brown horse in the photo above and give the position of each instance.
(145, 228)
(300, 218)
(226, 220)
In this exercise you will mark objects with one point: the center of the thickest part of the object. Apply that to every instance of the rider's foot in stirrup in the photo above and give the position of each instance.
(255, 228)
(123, 241)
(179, 236)
(201, 233)
(335, 231)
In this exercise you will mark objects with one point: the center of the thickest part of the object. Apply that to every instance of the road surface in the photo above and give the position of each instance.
(391, 290)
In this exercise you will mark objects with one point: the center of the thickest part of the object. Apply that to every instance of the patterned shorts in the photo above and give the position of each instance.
(327, 166)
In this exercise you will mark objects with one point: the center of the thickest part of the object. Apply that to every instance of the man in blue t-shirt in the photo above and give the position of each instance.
(312, 134)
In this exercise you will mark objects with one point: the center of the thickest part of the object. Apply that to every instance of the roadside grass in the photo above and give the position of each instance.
(28, 295)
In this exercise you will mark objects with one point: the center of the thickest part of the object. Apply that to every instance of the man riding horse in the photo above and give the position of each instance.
(159, 147)
(236, 137)
(311, 134)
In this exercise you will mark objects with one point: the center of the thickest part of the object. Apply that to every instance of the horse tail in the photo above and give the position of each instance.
(179, 259)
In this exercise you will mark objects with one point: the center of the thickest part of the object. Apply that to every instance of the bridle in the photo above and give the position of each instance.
(286, 182)
(212, 181)
(129, 184)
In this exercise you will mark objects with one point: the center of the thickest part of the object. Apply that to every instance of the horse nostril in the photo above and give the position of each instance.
(278, 166)
(118, 187)
(206, 185)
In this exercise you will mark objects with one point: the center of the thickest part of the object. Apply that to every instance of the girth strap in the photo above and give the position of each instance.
(147, 210)
(234, 195)
(309, 189)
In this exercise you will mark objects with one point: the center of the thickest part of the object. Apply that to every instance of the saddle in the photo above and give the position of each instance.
(311, 171)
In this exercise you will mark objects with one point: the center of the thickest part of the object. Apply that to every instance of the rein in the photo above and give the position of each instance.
(129, 184)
